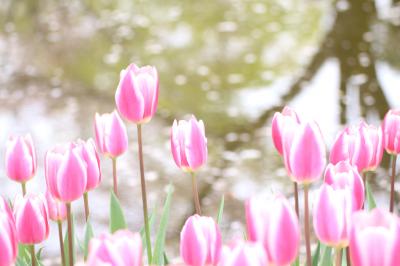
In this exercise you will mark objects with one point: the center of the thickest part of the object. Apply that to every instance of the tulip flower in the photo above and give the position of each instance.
(375, 239)
(278, 125)
(244, 254)
(342, 175)
(20, 159)
(275, 225)
(120, 249)
(200, 241)
(8, 237)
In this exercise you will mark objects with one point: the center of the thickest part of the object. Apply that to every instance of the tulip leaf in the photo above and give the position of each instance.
(326, 256)
(117, 218)
(158, 255)
(370, 197)
(296, 262)
(166, 260)
(88, 235)
(315, 258)
(66, 246)
(143, 233)
(221, 210)
(23, 254)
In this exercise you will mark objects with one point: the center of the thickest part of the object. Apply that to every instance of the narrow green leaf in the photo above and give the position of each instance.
(326, 256)
(315, 258)
(158, 255)
(166, 260)
(23, 254)
(117, 218)
(142, 232)
(344, 254)
(88, 235)
(370, 197)
(221, 210)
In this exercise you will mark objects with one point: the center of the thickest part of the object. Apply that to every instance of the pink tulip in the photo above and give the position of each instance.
(20, 158)
(278, 125)
(120, 249)
(111, 136)
(391, 132)
(189, 144)
(57, 209)
(244, 254)
(375, 239)
(66, 173)
(275, 225)
(200, 241)
(137, 93)
(31, 219)
(8, 236)
(304, 151)
(332, 215)
(343, 175)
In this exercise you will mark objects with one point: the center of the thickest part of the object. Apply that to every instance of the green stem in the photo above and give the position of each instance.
(115, 183)
(296, 198)
(307, 225)
(348, 256)
(195, 194)
(338, 260)
(393, 163)
(23, 185)
(70, 235)
(86, 203)
(60, 239)
(33, 257)
(144, 195)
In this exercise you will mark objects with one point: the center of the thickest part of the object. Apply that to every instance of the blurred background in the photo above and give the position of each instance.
(231, 63)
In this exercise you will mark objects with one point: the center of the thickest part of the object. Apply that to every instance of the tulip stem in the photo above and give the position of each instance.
(86, 203)
(338, 261)
(195, 194)
(348, 256)
(115, 183)
(70, 235)
(23, 185)
(307, 226)
(60, 238)
(33, 257)
(393, 163)
(144, 196)
(296, 198)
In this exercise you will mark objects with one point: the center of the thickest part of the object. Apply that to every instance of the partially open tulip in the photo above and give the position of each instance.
(66, 173)
(137, 93)
(275, 225)
(31, 219)
(8, 236)
(20, 158)
(200, 241)
(278, 125)
(304, 151)
(342, 175)
(375, 239)
(92, 162)
(111, 135)
(244, 254)
(120, 249)
(189, 144)
(391, 132)
(57, 209)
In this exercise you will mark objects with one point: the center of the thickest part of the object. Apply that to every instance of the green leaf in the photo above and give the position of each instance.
(66, 246)
(296, 262)
(158, 255)
(23, 254)
(326, 256)
(142, 232)
(88, 235)
(117, 218)
(315, 258)
(221, 210)
(370, 197)
(166, 260)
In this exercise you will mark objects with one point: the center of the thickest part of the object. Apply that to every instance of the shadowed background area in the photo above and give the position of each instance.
(231, 63)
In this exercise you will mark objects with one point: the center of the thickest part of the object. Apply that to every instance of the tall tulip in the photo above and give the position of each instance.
(20, 159)
(275, 225)
(8, 237)
(200, 241)
(111, 139)
(189, 150)
(375, 239)
(244, 254)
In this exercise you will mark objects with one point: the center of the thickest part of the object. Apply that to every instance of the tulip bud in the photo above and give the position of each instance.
(20, 158)
(189, 144)
(137, 93)
(244, 254)
(57, 209)
(278, 125)
(200, 241)
(92, 162)
(8, 236)
(111, 136)
(391, 132)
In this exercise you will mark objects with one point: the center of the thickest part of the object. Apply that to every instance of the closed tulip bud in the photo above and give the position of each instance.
(189, 144)
(8, 236)
(200, 241)
(304, 152)
(31, 219)
(111, 135)
(66, 173)
(342, 175)
(57, 209)
(275, 225)
(375, 239)
(278, 125)
(391, 132)
(244, 254)
(137, 93)
(20, 158)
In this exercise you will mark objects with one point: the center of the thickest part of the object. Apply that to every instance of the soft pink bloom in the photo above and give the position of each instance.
(275, 225)
(244, 254)
(111, 135)
(120, 249)
(375, 239)
(391, 132)
(31, 219)
(333, 208)
(189, 144)
(66, 172)
(20, 158)
(8, 236)
(57, 209)
(137, 93)
(278, 125)
(303, 151)
(200, 241)
(342, 175)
